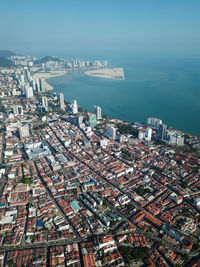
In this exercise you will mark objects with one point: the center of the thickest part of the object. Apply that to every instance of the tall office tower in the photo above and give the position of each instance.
(18, 110)
(42, 87)
(148, 133)
(97, 112)
(162, 132)
(24, 131)
(80, 121)
(22, 79)
(74, 107)
(27, 74)
(37, 85)
(110, 131)
(154, 123)
(141, 135)
(176, 139)
(62, 102)
(45, 101)
(34, 85)
(92, 119)
(29, 92)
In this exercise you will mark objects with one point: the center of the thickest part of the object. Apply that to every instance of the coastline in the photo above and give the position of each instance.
(107, 73)
(46, 75)
(134, 104)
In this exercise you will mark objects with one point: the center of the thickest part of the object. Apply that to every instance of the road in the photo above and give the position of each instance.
(150, 236)
(55, 202)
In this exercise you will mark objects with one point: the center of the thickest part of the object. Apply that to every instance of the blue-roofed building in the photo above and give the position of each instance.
(37, 150)
(39, 223)
(72, 134)
(75, 205)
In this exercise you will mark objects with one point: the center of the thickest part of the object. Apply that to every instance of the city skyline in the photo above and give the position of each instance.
(99, 133)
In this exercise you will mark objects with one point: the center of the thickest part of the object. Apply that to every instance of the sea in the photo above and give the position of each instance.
(165, 86)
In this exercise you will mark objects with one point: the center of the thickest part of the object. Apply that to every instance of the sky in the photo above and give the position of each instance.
(49, 26)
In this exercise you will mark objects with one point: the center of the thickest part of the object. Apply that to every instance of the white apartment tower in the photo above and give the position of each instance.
(37, 85)
(62, 102)
(148, 133)
(24, 131)
(154, 122)
(44, 101)
(18, 110)
(42, 86)
(74, 107)
(97, 112)
(29, 92)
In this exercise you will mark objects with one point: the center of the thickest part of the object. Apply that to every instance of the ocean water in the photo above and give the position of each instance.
(162, 86)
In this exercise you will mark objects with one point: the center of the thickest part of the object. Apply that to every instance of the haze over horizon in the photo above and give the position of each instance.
(46, 27)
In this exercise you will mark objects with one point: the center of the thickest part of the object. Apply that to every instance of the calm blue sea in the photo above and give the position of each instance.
(164, 86)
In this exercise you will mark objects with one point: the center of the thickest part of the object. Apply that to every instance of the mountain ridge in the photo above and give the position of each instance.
(7, 53)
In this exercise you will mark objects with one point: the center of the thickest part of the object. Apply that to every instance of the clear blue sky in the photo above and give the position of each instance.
(50, 25)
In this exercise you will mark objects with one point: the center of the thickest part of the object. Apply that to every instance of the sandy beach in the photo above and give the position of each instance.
(108, 73)
(47, 75)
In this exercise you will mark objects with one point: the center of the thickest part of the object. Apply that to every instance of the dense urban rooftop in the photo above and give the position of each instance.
(80, 189)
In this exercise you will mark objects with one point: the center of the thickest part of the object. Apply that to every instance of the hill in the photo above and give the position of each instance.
(4, 62)
(6, 53)
(46, 59)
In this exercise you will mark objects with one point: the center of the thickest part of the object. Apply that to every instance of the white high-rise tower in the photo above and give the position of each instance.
(62, 102)
(97, 112)
(29, 92)
(148, 133)
(45, 101)
(74, 107)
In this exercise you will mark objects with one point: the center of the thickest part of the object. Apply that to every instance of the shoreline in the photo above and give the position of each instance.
(107, 73)
(47, 75)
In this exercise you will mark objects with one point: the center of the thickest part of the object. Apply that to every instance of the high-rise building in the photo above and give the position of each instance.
(148, 133)
(44, 101)
(80, 121)
(34, 85)
(22, 79)
(162, 132)
(154, 123)
(175, 138)
(37, 85)
(18, 110)
(97, 112)
(92, 119)
(42, 87)
(24, 131)
(29, 92)
(110, 132)
(141, 135)
(74, 107)
(27, 74)
(62, 102)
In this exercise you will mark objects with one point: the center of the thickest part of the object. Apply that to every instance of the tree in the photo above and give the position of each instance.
(184, 184)
(106, 203)
(74, 191)
(127, 128)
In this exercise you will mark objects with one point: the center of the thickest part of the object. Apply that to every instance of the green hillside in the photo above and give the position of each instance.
(6, 53)
(46, 59)
(4, 62)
